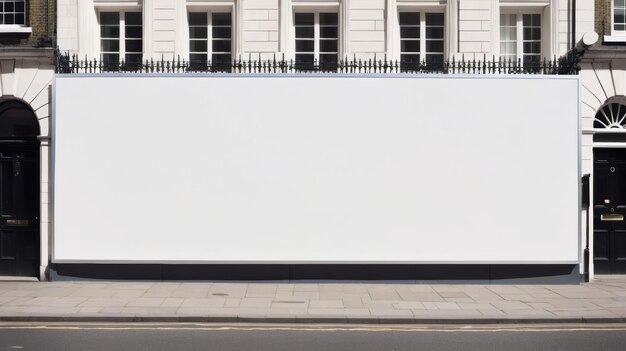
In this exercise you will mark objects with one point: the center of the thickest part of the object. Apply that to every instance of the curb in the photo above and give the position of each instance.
(309, 320)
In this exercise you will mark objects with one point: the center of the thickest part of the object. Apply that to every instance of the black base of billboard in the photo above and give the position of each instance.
(403, 273)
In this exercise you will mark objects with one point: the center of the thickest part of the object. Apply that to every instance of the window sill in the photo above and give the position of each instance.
(615, 38)
(17, 29)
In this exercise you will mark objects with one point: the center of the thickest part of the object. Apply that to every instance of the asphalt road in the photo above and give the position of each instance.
(69, 337)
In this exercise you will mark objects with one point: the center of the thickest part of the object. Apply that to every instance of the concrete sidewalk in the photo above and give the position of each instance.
(603, 300)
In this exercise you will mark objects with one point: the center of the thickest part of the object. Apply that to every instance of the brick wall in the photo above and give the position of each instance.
(41, 17)
(602, 13)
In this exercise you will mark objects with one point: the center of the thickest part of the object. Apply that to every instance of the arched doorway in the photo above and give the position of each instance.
(19, 189)
(609, 187)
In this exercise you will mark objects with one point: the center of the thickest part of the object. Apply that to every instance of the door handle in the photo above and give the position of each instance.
(611, 217)
(17, 222)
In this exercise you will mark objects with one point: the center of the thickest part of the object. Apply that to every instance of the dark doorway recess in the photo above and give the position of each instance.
(609, 216)
(19, 189)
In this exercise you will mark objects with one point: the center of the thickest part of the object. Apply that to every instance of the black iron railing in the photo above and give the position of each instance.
(568, 64)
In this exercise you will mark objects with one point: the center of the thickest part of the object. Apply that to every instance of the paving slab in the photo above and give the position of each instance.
(601, 301)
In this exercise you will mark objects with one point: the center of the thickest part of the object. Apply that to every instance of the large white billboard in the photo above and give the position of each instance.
(308, 169)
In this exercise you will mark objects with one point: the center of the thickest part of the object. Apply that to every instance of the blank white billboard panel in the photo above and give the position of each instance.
(316, 169)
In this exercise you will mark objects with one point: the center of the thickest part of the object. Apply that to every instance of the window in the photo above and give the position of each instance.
(214, 28)
(421, 39)
(619, 16)
(520, 37)
(317, 40)
(121, 38)
(13, 12)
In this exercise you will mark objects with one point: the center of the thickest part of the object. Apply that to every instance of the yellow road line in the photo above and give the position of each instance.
(200, 327)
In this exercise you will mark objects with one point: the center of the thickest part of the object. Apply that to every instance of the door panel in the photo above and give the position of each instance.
(601, 244)
(19, 209)
(620, 245)
(609, 252)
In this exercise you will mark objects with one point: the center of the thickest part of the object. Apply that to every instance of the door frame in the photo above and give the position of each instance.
(594, 146)
(36, 143)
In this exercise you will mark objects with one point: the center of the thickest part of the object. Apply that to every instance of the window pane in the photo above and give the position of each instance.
(198, 46)
(305, 32)
(328, 62)
(409, 18)
(305, 58)
(328, 32)
(328, 19)
(532, 47)
(410, 58)
(132, 18)
(410, 46)
(328, 59)
(221, 19)
(133, 32)
(221, 45)
(305, 61)
(198, 19)
(434, 19)
(531, 60)
(409, 62)
(508, 49)
(434, 59)
(133, 59)
(531, 20)
(508, 37)
(434, 46)
(328, 45)
(302, 19)
(109, 31)
(134, 46)
(409, 32)
(508, 20)
(198, 32)
(109, 45)
(197, 58)
(434, 32)
(111, 18)
(305, 46)
(111, 59)
(223, 58)
(222, 32)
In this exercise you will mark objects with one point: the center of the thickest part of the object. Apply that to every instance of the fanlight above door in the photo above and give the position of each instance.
(611, 116)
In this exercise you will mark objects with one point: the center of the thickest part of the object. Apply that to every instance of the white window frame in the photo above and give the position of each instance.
(208, 6)
(520, 12)
(316, 32)
(300, 6)
(422, 8)
(23, 29)
(209, 14)
(422, 53)
(616, 35)
(122, 37)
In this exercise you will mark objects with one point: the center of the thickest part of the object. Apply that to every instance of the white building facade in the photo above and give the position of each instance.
(322, 29)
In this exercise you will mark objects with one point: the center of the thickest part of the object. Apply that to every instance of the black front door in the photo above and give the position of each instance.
(19, 209)
(609, 204)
